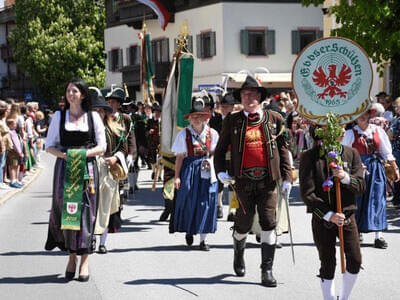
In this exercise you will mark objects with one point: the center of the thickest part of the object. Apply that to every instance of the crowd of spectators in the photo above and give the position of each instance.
(22, 129)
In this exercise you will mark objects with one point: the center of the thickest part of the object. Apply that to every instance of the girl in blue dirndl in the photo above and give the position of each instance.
(374, 147)
(196, 188)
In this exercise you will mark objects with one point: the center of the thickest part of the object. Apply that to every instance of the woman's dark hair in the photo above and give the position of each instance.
(84, 89)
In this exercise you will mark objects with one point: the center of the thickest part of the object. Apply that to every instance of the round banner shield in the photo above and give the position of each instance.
(332, 75)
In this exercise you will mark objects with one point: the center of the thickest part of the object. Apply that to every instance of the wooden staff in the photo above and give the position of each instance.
(340, 228)
(156, 172)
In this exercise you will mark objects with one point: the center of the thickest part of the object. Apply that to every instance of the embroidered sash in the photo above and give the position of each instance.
(73, 189)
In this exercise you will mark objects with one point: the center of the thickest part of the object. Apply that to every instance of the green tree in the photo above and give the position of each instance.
(375, 25)
(55, 40)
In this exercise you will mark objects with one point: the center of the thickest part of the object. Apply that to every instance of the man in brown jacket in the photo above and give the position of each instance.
(313, 171)
(259, 157)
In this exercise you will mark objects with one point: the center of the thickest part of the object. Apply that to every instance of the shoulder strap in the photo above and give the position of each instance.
(62, 126)
(92, 134)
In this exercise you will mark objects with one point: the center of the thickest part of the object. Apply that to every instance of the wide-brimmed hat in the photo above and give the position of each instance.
(198, 108)
(228, 99)
(251, 83)
(98, 99)
(116, 93)
(156, 106)
(381, 94)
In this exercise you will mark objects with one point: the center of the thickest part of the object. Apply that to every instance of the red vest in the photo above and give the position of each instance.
(255, 152)
(361, 145)
(199, 149)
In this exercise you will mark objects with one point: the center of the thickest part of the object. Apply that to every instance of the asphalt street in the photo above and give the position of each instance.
(146, 262)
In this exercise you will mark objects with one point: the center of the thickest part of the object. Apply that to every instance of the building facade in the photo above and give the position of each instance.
(226, 37)
(13, 83)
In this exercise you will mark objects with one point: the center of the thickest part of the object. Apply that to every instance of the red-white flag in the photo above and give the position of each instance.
(160, 10)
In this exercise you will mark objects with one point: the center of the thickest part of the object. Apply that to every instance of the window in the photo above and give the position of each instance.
(206, 44)
(301, 38)
(257, 42)
(189, 44)
(133, 55)
(160, 50)
(115, 60)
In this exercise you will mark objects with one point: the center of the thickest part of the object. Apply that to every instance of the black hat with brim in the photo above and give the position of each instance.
(228, 99)
(117, 94)
(250, 83)
(197, 108)
(98, 100)
(381, 94)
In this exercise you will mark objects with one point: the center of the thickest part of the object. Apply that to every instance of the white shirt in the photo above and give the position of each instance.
(179, 146)
(53, 137)
(385, 147)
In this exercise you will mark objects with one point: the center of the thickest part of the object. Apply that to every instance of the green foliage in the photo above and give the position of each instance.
(374, 24)
(55, 40)
(331, 135)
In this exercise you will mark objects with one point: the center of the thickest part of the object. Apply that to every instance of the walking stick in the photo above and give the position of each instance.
(157, 170)
(340, 228)
(286, 199)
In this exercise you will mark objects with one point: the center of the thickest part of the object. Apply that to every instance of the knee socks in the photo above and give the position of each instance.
(268, 237)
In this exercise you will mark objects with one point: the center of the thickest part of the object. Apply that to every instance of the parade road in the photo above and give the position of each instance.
(146, 262)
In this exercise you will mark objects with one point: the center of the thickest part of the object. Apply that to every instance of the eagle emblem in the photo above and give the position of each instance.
(332, 82)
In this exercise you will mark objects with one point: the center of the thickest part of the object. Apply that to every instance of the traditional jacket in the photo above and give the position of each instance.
(126, 122)
(233, 134)
(313, 171)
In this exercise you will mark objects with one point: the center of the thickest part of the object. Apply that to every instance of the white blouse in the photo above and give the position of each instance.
(53, 137)
(385, 147)
(179, 146)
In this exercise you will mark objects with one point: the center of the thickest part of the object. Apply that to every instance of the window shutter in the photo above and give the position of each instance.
(120, 59)
(128, 56)
(199, 46)
(244, 41)
(270, 38)
(295, 42)
(109, 59)
(213, 46)
(138, 56)
(190, 43)
(165, 50)
(320, 34)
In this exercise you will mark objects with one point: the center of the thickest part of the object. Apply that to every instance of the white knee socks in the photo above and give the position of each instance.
(347, 285)
(328, 289)
(239, 236)
(268, 237)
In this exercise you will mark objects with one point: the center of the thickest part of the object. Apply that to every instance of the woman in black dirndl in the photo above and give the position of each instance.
(75, 127)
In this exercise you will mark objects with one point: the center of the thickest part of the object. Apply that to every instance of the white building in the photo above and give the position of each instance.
(226, 37)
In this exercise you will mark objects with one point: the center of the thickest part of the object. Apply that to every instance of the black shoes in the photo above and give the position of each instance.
(204, 246)
(220, 212)
(83, 278)
(267, 260)
(267, 279)
(238, 259)
(231, 217)
(69, 275)
(380, 243)
(189, 239)
(102, 249)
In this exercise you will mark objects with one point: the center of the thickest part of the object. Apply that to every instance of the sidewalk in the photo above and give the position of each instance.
(6, 194)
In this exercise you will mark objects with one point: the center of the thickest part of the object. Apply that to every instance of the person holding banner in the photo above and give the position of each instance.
(259, 158)
(313, 171)
(195, 209)
(76, 136)
(374, 146)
